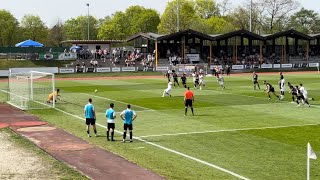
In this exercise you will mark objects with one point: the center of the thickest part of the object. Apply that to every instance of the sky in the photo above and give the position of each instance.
(51, 11)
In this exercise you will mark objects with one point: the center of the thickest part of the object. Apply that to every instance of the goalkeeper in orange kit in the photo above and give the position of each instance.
(54, 95)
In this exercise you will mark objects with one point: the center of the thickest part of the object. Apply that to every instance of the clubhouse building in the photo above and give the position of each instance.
(237, 47)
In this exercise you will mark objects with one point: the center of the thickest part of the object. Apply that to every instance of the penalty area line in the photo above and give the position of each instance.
(228, 130)
(100, 97)
(167, 149)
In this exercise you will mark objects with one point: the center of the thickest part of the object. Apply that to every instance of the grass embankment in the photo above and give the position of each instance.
(6, 64)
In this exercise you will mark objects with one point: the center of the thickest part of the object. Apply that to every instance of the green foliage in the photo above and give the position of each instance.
(206, 8)
(77, 28)
(187, 14)
(33, 28)
(56, 35)
(9, 28)
(306, 21)
(124, 24)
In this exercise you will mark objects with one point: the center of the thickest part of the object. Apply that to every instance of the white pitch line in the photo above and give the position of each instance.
(228, 130)
(167, 149)
(100, 97)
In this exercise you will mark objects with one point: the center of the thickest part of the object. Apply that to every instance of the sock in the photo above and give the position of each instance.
(95, 131)
(269, 96)
(306, 101)
(192, 110)
(107, 134)
(254, 87)
(292, 98)
(185, 111)
(88, 132)
(124, 135)
(258, 86)
(131, 135)
(112, 134)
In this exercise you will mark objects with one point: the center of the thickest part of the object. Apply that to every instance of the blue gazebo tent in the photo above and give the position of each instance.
(29, 43)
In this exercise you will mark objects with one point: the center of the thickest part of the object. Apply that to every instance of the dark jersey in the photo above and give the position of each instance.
(270, 87)
(175, 75)
(255, 77)
(183, 79)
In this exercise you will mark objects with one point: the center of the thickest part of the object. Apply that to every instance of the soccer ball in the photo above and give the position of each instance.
(96, 91)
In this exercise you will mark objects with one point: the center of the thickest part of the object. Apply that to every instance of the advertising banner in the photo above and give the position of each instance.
(286, 66)
(276, 66)
(237, 67)
(266, 66)
(128, 69)
(106, 69)
(116, 69)
(66, 70)
(162, 68)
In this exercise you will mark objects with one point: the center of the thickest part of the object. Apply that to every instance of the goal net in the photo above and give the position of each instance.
(30, 90)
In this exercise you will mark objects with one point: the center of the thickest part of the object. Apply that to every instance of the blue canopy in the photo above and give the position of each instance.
(29, 43)
(75, 47)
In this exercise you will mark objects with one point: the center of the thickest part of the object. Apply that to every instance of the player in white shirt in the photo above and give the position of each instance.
(167, 91)
(220, 81)
(282, 85)
(195, 78)
(305, 93)
(201, 81)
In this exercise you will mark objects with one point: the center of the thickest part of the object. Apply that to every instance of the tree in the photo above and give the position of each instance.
(206, 8)
(124, 24)
(224, 7)
(240, 18)
(56, 35)
(306, 21)
(8, 28)
(168, 23)
(77, 28)
(33, 28)
(274, 14)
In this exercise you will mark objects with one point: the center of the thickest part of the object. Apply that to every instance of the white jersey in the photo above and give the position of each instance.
(220, 80)
(169, 87)
(304, 92)
(201, 79)
(194, 77)
(282, 84)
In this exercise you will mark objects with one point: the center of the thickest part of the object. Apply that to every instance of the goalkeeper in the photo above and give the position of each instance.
(54, 95)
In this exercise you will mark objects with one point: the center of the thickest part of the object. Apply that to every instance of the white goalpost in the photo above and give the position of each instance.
(30, 90)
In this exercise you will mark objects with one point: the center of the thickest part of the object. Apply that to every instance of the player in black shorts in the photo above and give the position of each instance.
(184, 80)
(168, 76)
(196, 82)
(175, 78)
(300, 97)
(255, 80)
(293, 92)
(270, 89)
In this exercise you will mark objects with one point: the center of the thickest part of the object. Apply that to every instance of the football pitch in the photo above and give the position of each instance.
(236, 133)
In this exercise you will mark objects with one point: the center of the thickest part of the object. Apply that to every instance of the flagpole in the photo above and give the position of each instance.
(308, 162)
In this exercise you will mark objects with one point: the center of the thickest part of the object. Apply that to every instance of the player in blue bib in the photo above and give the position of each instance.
(90, 115)
(111, 116)
(128, 116)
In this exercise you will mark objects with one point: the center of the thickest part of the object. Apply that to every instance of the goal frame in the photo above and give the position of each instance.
(30, 82)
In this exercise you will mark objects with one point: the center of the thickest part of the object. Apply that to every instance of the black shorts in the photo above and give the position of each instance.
(175, 79)
(294, 94)
(127, 126)
(111, 125)
(188, 103)
(91, 121)
(255, 81)
(271, 90)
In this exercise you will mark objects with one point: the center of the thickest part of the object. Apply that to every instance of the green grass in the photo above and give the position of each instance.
(57, 169)
(238, 129)
(6, 64)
